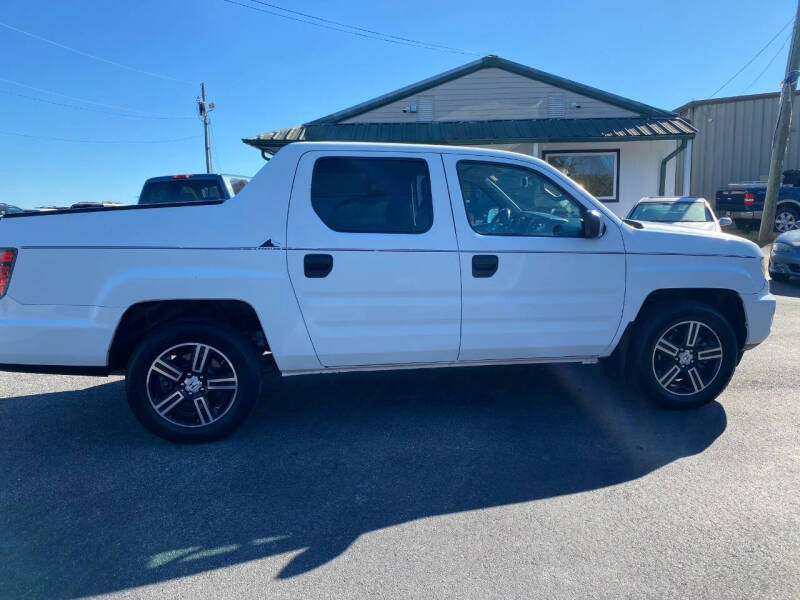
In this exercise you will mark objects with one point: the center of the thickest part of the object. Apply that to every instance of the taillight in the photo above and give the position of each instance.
(749, 199)
(7, 258)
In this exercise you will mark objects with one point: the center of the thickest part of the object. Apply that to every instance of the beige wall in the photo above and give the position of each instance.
(488, 94)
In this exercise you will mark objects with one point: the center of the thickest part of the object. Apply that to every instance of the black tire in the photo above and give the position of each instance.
(671, 323)
(786, 213)
(743, 224)
(779, 276)
(231, 358)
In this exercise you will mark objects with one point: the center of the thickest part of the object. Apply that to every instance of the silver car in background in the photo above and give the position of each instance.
(682, 211)
(784, 257)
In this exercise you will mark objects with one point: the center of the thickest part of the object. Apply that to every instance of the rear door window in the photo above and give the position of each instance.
(373, 195)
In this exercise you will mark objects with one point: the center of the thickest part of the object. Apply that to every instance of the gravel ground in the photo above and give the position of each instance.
(513, 482)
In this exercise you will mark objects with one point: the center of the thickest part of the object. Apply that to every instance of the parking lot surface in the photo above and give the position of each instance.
(506, 482)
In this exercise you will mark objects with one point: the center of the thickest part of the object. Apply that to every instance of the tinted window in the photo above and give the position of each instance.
(507, 200)
(180, 190)
(373, 195)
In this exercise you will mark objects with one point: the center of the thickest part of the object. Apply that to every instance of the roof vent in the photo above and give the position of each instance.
(555, 106)
(425, 108)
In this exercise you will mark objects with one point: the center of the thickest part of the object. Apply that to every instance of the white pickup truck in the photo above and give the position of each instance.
(341, 257)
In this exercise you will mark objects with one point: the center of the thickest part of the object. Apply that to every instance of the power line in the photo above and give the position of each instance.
(83, 141)
(92, 56)
(112, 106)
(769, 64)
(350, 29)
(365, 30)
(88, 108)
(749, 62)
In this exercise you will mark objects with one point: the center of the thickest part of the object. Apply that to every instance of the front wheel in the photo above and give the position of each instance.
(193, 380)
(686, 355)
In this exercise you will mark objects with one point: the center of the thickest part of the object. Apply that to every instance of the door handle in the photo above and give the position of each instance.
(484, 265)
(317, 266)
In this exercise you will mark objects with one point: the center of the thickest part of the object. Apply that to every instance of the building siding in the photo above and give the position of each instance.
(488, 94)
(734, 142)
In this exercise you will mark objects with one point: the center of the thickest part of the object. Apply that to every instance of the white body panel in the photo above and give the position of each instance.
(391, 300)
(550, 297)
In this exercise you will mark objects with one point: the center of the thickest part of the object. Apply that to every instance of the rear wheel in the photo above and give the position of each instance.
(193, 380)
(686, 355)
(786, 218)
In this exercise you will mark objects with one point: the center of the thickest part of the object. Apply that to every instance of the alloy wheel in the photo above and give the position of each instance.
(785, 221)
(687, 358)
(192, 385)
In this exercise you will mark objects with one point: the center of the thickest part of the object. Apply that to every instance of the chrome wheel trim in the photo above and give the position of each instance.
(192, 385)
(687, 358)
(785, 221)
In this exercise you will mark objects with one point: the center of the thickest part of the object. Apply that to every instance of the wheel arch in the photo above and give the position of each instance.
(143, 317)
(790, 201)
(727, 302)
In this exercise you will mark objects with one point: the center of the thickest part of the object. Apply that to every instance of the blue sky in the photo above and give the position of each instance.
(265, 72)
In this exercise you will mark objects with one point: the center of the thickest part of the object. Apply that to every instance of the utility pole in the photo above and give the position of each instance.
(203, 109)
(781, 136)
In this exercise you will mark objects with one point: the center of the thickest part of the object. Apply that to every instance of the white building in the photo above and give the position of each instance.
(617, 148)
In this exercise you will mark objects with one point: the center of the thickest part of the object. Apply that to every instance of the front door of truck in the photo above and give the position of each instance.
(372, 257)
(533, 286)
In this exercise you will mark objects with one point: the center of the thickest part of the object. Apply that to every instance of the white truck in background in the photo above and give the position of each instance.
(342, 257)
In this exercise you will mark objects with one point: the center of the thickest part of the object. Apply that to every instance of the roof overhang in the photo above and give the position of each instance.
(466, 133)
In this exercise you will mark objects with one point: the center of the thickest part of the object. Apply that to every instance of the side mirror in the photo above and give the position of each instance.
(725, 222)
(593, 225)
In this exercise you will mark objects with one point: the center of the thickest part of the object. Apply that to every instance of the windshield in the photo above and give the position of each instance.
(181, 190)
(672, 212)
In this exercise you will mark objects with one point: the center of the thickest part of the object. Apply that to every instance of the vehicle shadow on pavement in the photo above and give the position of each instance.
(91, 503)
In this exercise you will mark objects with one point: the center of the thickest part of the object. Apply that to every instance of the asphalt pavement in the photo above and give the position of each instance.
(501, 482)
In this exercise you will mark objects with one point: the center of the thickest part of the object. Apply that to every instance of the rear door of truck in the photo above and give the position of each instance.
(372, 257)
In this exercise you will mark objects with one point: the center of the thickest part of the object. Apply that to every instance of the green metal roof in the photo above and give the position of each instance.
(482, 132)
(498, 63)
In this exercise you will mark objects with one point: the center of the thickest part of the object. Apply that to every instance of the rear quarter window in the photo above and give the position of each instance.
(373, 195)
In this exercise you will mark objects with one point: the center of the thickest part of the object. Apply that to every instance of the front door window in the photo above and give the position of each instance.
(514, 201)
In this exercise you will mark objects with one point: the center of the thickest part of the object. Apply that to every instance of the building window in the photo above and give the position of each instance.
(373, 195)
(596, 171)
